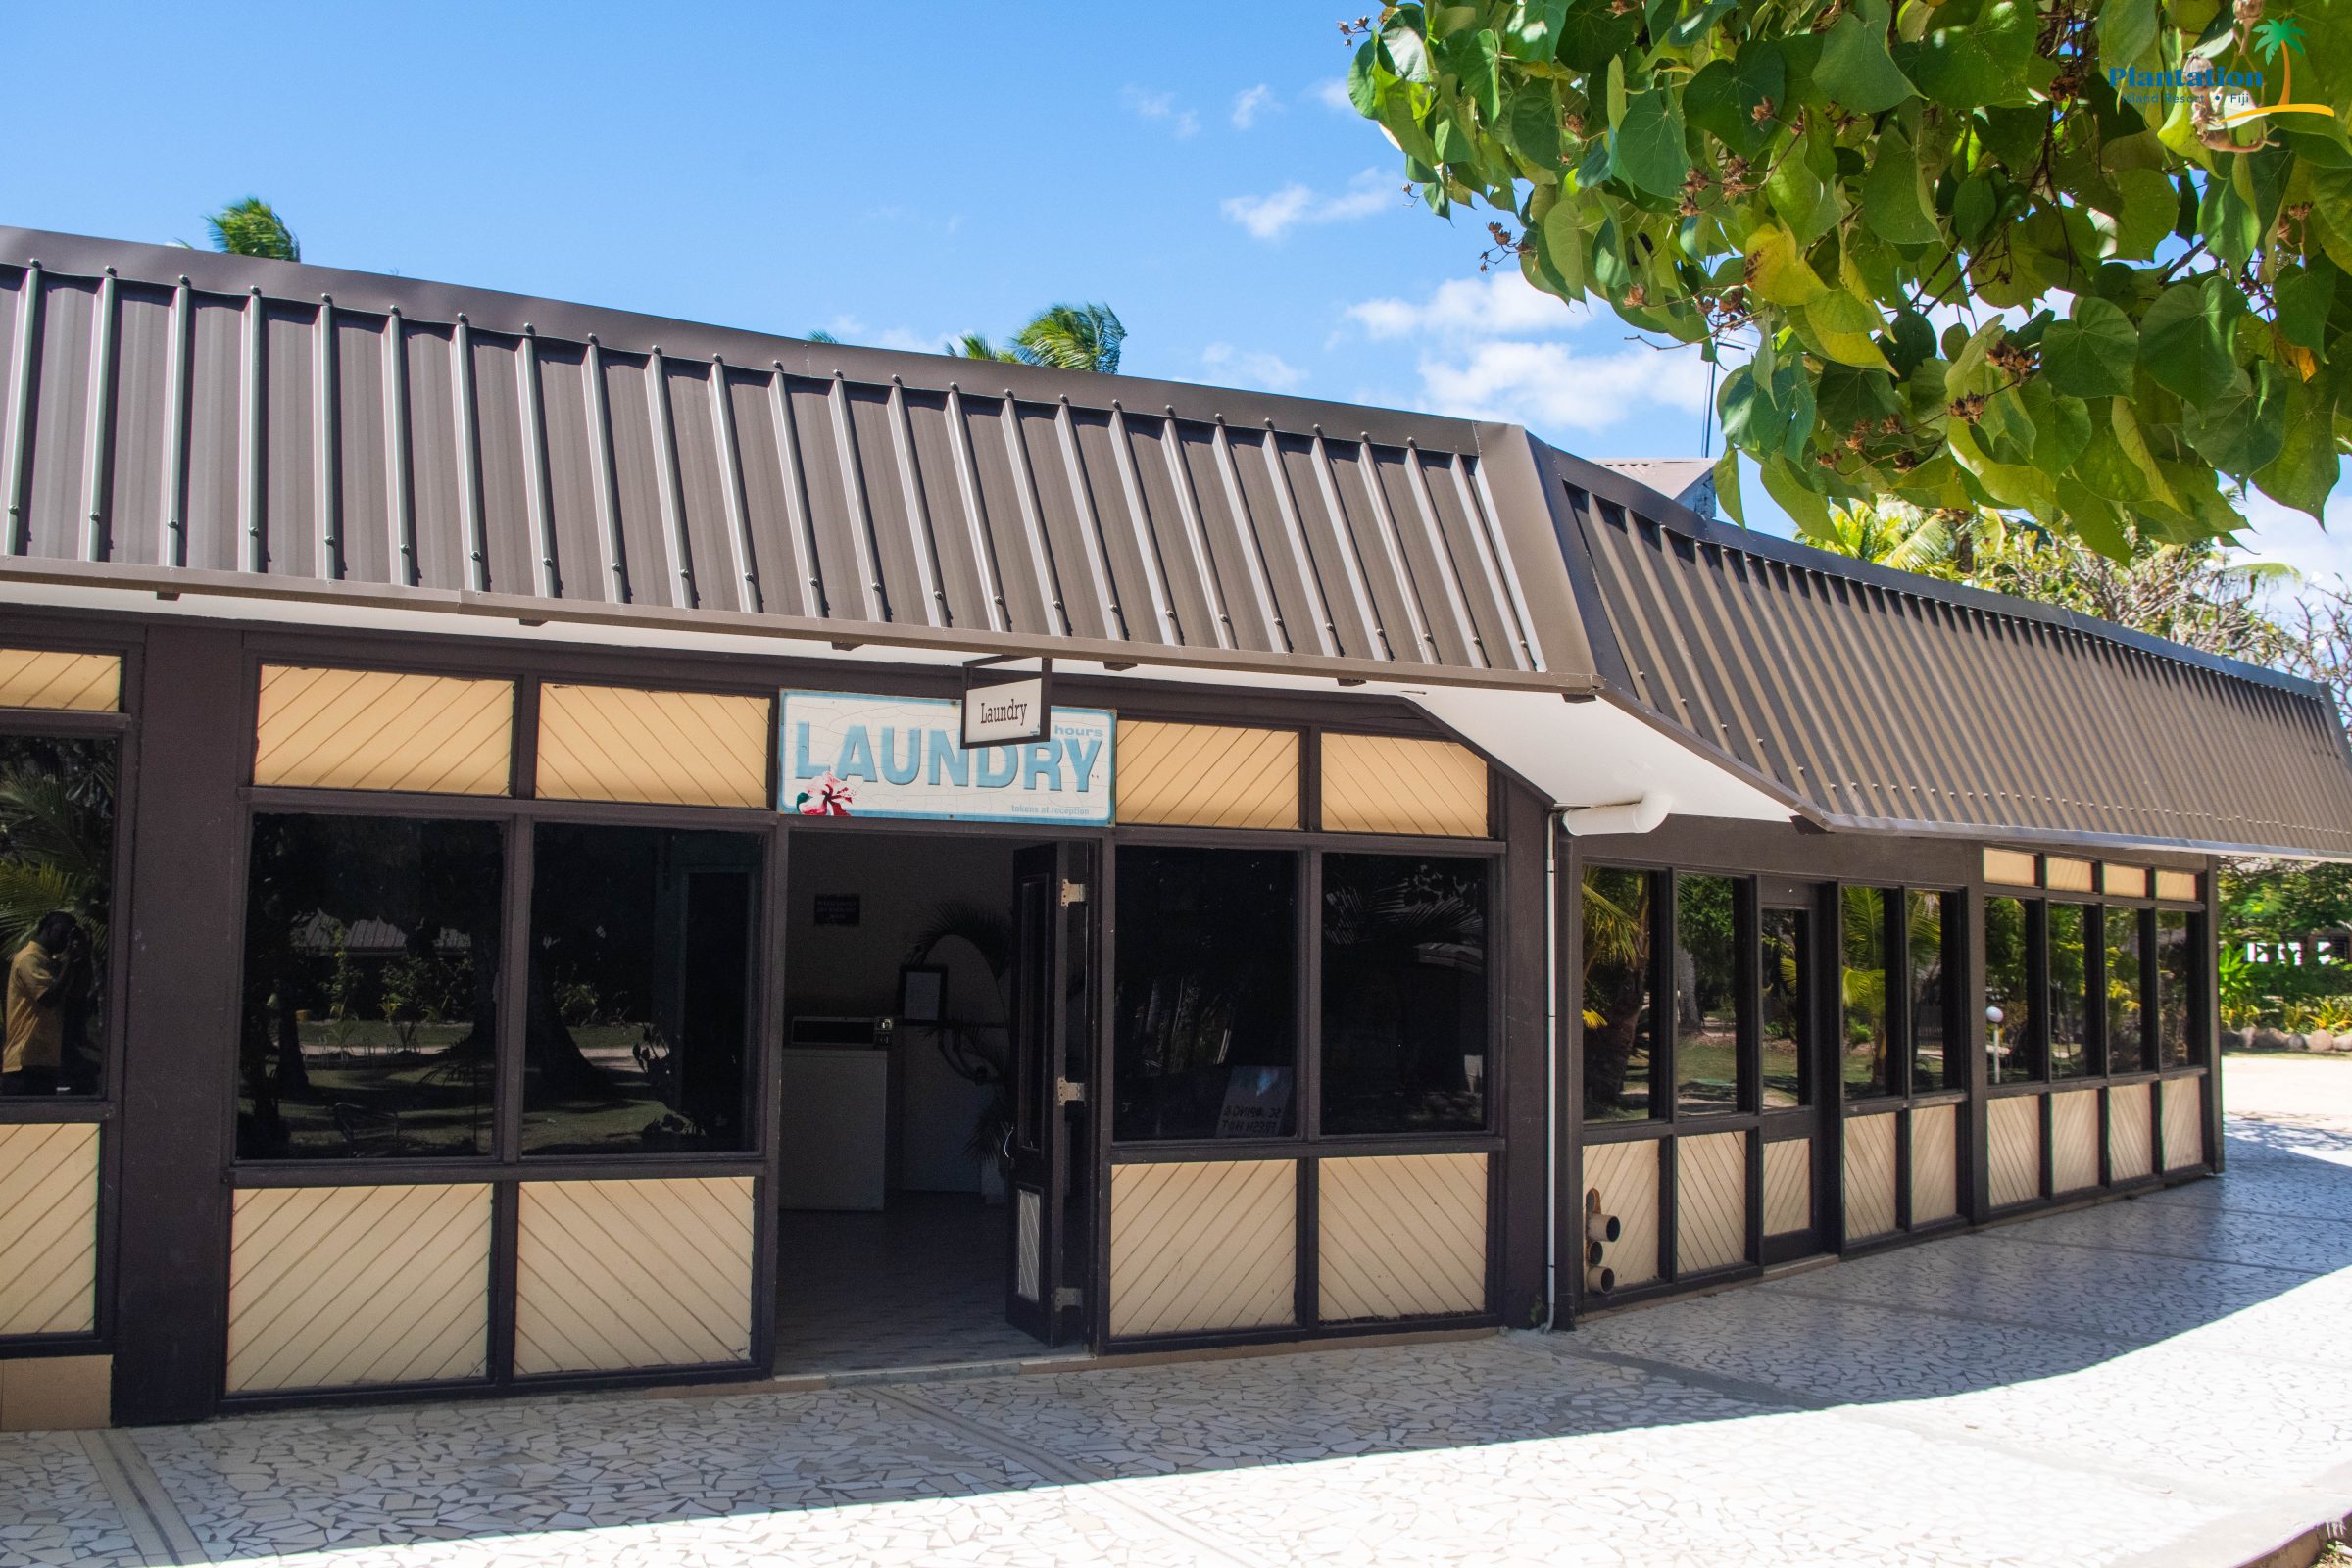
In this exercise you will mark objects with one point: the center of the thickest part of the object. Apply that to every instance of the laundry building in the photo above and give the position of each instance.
(535, 915)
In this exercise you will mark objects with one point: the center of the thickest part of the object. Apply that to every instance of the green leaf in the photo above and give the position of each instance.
(2305, 470)
(1615, 88)
(2127, 32)
(2305, 295)
(1798, 195)
(1532, 30)
(2090, 354)
(1363, 84)
(2226, 218)
(2146, 209)
(1855, 68)
(2094, 518)
(2005, 429)
(2061, 425)
(2241, 431)
(1407, 53)
(1474, 60)
(1532, 126)
(1726, 487)
(1560, 242)
(1646, 147)
(1987, 59)
(1805, 508)
(1894, 198)
(1699, 23)
(2185, 339)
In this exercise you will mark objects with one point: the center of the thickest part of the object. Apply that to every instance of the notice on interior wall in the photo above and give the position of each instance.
(848, 753)
(839, 909)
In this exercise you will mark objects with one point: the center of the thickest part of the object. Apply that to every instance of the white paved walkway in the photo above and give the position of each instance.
(2163, 1381)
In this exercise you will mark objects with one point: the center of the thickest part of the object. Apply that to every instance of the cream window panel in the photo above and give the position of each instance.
(1870, 1167)
(1388, 784)
(372, 729)
(1625, 1179)
(1788, 1186)
(45, 677)
(1401, 1237)
(2073, 1141)
(2131, 1132)
(1710, 1201)
(2183, 1108)
(2011, 868)
(1935, 1164)
(1196, 1246)
(2065, 876)
(49, 1228)
(613, 743)
(345, 1287)
(612, 1275)
(2180, 886)
(1207, 775)
(2013, 1132)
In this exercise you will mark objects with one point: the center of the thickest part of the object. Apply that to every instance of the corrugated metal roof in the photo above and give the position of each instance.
(1879, 699)
(188, 422)
(341, 434)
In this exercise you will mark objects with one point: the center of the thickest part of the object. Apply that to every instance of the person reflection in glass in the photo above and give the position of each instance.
(39, 976)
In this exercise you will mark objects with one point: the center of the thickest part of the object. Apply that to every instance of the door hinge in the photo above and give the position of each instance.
(1068, 1298)
(1072, 892)
(1066, 1092)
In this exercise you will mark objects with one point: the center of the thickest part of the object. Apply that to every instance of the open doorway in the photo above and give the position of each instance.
(897, 1116)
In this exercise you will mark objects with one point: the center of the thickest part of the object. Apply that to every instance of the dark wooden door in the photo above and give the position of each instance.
(1052, 948)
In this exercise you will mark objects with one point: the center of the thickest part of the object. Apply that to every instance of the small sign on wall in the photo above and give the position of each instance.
(848, 754)
(839, 909)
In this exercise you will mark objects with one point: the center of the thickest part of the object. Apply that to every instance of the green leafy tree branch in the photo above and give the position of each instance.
(2027, 254)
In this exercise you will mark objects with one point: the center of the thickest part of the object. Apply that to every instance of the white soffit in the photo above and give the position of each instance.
(1593, 753)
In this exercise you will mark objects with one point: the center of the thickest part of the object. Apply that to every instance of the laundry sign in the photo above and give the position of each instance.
(850, 754)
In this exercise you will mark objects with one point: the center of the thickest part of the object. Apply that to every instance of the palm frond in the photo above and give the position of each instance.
(976, 346)
(1074, 337)
(252, 227)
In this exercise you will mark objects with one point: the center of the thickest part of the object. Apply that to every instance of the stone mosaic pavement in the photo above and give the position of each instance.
(2166, 1381)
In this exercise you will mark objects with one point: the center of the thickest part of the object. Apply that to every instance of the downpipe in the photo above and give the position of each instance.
(1555, 821)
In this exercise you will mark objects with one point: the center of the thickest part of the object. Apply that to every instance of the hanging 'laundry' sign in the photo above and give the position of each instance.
(849, 753)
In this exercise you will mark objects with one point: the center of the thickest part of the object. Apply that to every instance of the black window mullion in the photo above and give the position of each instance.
(1665, 1070)
(2094, 988)
(1748, 1008)
(514, 994)
(1894, 925)
(2037, 979)
(1307, 1062)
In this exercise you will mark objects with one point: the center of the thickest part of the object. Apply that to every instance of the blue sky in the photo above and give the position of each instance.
(932, 170)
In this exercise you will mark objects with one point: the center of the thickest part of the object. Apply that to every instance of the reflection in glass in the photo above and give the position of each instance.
(2126, 1049)
(1933, 1066)
(1706, 995)
(2070, 996)
(1868, 1042)
(641, 942)
(1204, 1030)
(1404, 994)
(57, 859)
(2009, 1038)
(2174, 984)
(1617, 1023)
(1786, 935)
(371, 988)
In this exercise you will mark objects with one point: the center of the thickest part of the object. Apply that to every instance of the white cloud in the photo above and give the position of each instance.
(907, 340)
(1332, 94)
(1247, 106)
(2274, 532)
(1162, 107)
(1555, 386)
(1270, 216)
(1252, 368)
(1497, 305)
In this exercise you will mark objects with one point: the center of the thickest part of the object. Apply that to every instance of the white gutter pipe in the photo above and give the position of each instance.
(1626, 816)
(1552, 1067)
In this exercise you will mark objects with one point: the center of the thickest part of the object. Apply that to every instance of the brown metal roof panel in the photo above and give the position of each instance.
(1371, 534)
(892, 491)
(1048, 468)
(1170, 539)
(65, 338)
(435, 474)
(699, 484)
(1312, 499)
(1007, 506)
(849, 588)
(1445, 608)
(1111, 492)
(956, 538)
(1470, 556)
(135, 474)
(589, 560)
(358, 451)
(506, 459)
(1214, 488)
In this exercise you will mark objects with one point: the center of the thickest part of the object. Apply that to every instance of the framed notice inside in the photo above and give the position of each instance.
(848, 753)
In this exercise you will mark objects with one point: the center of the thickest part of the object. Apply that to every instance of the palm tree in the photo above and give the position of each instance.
(2280, 37)
(252, 227)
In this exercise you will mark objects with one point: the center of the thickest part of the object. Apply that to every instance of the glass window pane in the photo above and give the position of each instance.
(2010, 1044)
(1617, 928)
(370, 1007)
(57, 858)
(1204, 1030)
(1706, 995)
(2127, 1050)
(1404, 994)
(643, 976)
(1785, 1024)
(2175, 984)
(2069, 1009)
(1933, 1066)
(1869, 1046)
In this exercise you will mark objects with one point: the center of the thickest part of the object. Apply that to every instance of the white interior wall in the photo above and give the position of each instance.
(852, 971)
